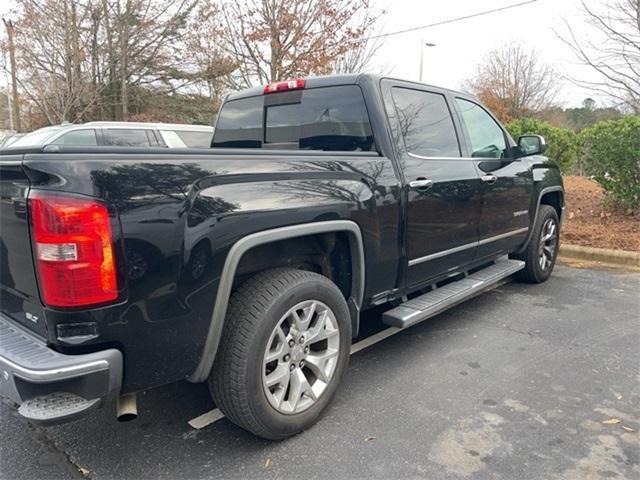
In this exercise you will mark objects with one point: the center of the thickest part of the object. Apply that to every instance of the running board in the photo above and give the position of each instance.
(436, 301)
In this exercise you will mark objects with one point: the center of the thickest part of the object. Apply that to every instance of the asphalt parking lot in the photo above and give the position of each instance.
(523, 382)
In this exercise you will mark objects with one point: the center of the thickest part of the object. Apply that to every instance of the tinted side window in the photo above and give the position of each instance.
(77, 137)
(328, 118)
(486, 136)
(425, 123)
(240, 124)
(125, 137)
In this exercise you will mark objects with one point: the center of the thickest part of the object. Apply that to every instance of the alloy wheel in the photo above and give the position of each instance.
(548, 244)
(301, 357)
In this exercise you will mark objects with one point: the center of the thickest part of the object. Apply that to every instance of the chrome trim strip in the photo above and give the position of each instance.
(502, 235)
(422, 157)
(56, 374)
(466, 246)
(476, 159)
(259, 238)
(443, 253)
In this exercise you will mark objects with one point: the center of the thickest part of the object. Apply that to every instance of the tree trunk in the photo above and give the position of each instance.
(14, 81)
(124, 54)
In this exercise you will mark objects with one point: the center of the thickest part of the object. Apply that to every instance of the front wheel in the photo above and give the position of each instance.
(540, 255)
(284, 349)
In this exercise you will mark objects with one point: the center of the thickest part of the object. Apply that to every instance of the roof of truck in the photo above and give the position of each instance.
(334, 80)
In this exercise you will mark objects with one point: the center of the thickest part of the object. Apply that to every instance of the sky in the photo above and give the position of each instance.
(460, 46)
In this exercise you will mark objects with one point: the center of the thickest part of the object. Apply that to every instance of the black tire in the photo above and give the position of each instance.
(533, 271)
(254, 310)
(199, 262)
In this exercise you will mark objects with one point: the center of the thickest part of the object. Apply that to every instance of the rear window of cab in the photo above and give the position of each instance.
(327, 118)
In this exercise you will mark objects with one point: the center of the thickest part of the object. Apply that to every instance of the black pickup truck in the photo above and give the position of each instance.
(248, 265)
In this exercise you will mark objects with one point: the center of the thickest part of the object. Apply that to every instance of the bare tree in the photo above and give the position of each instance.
(49, 59)
(145, 42)
(79, 60)
(614, 53)
(357, 59)
(209, 65)
(15, 105)
(274, 39)
(513, 83)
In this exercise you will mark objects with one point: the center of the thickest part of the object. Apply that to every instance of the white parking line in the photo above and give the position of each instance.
(373, 339)
(206, 419)
(214, 415)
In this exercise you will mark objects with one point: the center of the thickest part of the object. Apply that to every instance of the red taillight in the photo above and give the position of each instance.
(295, 84)
(73, 250)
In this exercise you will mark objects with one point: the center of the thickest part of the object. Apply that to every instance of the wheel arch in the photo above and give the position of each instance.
(245, 244)
(553, 196)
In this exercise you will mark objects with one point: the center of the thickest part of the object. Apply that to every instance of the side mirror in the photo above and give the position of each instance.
(531, 145)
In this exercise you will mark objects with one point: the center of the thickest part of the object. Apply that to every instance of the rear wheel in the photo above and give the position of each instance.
(540, 255)
(284, 349)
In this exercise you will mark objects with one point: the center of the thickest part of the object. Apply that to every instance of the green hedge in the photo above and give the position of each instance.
(562, 145)
(610, 151)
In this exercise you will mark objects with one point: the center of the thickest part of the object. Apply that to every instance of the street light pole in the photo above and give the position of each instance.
(422, 45)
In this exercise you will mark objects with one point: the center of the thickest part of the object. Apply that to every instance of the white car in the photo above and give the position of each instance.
(120, 134)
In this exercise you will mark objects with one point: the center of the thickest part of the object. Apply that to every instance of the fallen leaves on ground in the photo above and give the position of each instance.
(590, 223)
(611, 421)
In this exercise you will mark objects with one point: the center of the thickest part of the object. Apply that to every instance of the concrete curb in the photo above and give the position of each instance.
(605, 255)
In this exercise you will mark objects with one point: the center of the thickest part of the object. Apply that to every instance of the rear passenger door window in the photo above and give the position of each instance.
(121, 137)
(425, 123)
(486, 137)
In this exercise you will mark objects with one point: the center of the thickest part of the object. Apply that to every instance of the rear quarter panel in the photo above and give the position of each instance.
(170, 204)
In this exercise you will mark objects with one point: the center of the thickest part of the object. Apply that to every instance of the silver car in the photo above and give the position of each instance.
(120, 134)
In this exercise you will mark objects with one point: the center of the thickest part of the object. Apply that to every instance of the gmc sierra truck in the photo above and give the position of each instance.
(248, 265)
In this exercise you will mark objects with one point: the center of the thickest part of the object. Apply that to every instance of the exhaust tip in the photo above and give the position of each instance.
(127, 417)
(127, 407)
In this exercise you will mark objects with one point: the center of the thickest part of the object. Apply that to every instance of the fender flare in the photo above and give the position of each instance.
(268, 236)
(556, 188)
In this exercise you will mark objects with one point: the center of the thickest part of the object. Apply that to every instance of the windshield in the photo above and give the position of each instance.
(36, 138)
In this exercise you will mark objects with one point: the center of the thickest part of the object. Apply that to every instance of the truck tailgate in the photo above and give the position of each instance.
(18, 286)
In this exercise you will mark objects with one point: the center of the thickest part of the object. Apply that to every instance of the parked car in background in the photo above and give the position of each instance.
(9, 139)
(120, 134)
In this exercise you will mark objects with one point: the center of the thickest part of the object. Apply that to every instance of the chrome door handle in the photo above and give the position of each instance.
(421, 183)
(489, 178)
